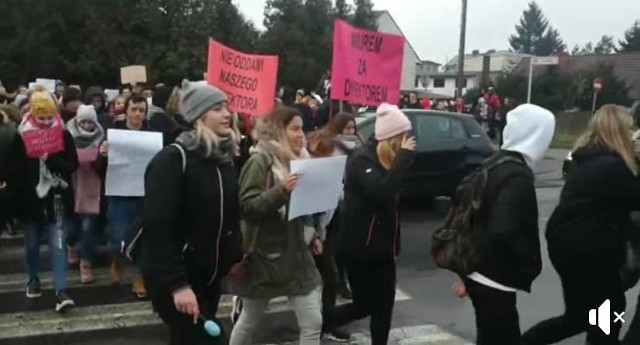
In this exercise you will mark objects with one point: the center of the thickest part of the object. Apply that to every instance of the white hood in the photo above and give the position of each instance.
(529, 131)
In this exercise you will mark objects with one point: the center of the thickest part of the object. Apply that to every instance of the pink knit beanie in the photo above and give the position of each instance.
(390, 122)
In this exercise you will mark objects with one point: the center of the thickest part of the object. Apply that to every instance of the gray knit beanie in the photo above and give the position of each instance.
(197, 99)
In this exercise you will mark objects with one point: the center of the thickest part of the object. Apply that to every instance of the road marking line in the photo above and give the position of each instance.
(415, 335)
(104, 317)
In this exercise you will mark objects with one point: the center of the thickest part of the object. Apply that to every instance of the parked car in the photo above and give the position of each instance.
(448, 147)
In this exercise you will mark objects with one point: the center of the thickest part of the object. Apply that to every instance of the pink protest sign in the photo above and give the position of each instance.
(42, 142)
(367, 65)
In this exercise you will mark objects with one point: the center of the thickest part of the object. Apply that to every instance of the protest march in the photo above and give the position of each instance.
(214, 209)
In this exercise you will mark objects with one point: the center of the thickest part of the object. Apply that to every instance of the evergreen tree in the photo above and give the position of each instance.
(606, 45)
(530, 31)
(342, 10)
(631, 41)
(86, 42)
(551, 43)
(364, 17)
(534, 35)
(285, 36)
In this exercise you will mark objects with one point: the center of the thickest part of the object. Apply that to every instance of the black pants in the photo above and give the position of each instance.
(334, 237)
(374, 289)
(181, 326)
(497, 320)
(584, 289)
(326, 267)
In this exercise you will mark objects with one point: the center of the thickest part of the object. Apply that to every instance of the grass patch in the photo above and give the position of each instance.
(564, 140)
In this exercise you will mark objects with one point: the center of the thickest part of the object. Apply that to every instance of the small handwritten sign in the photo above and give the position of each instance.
(42, 142)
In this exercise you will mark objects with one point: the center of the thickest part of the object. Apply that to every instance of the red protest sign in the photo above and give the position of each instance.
(43, 141)
(367, 65)
(248, 80)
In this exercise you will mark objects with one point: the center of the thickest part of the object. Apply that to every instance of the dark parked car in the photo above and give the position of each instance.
(449, 146)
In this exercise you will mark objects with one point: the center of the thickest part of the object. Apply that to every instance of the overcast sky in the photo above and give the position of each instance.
(432, 26)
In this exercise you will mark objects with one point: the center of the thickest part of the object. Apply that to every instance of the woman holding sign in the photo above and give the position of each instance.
(278, 255)
(370, 243)
(47, 196)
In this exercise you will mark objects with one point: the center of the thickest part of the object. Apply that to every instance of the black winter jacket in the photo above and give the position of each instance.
(192, 232)
(509, 254)
(65, 163)
(12, 160)
(591, 225)
(169, 125)
(371, 220)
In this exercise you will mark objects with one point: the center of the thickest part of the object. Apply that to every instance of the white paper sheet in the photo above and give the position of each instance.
(50, 84)
(319, 185)
(129, 154)
(111, 94)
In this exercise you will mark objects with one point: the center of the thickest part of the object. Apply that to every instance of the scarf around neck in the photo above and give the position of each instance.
(46, 179)
(347, 143)
(224, 151)
(274, 151)
(29, 124)
(82, 138)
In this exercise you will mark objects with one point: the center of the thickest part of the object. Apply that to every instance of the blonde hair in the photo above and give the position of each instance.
(610, 129)
(206, 137)
(173, 103)
(388, 149)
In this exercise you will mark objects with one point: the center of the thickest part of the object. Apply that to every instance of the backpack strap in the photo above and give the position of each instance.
(184, 156)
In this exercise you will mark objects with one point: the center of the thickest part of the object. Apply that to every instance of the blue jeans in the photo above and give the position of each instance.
(57, 249)
(83, 229)
(121, 215)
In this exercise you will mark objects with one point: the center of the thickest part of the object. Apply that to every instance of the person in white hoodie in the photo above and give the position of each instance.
(509, 254)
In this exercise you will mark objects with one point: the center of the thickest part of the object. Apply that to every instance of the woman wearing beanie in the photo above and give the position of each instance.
(87, 136)
(280, 260)
(370, 242)
(191, 217)
(122, 211)
(46, 193)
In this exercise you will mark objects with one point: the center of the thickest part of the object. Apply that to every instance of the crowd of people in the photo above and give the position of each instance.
(489, 111)
(216, 202)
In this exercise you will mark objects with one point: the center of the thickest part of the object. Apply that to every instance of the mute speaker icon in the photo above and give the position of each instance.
(602, 317)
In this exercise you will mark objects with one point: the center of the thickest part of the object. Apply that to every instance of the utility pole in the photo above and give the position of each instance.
(463, 34)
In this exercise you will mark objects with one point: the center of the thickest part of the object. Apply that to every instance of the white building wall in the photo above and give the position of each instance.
(449, 88)
(502, 61)
(388, 26)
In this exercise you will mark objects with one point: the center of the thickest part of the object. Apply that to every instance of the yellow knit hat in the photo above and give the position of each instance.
(42, 102)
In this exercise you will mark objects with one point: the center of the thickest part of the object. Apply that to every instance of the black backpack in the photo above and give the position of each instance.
(456, 244)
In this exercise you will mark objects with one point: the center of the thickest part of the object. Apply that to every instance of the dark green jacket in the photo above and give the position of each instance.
(281, 263)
